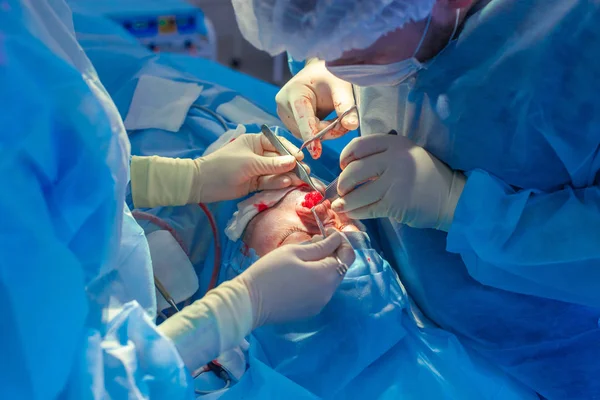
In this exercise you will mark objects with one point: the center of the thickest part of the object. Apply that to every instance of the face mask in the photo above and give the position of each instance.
(387, 74)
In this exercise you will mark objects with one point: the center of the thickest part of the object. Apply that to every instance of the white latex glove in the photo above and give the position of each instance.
(247, 164)
(312, 95)
(406, 183)
(211, 326)
(296, 281)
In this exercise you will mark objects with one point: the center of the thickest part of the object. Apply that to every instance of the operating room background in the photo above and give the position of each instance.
(234, 51)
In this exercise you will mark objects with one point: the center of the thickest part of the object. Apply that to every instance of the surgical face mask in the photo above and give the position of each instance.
(387, 74)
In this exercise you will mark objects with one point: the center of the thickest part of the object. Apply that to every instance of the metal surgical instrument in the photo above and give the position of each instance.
(328, 128)
(281, 149)
(342, 267)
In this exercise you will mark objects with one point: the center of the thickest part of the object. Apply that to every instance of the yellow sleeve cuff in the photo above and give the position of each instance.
(161, 181)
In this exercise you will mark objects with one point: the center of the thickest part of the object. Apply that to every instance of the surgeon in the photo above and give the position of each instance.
(75, 271)
(491, 189)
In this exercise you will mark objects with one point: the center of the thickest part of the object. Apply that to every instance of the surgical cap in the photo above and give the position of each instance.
(323, 28)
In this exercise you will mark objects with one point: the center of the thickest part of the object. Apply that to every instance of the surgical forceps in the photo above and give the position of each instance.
(342, 267)
(281, 149)
(329, 127)
(331, 192)
(164, 293)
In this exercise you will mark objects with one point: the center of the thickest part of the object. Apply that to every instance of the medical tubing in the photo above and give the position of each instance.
(217, 262)
(220, 372)
(214, 114)
(141, 215)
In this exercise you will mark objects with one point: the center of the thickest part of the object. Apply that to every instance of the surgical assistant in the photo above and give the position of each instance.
(75, 271)
(492, 186)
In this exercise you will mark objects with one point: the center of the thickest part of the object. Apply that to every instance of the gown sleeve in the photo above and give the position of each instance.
(540, 243)
(536, 230)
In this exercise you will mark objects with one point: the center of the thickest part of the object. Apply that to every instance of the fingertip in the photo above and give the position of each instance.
(312, 151)
(287, 161)
(350, 121)
(346, 159)
(338, 205)
(316, 149)
(316, 238)
(331, 231)
(306, 167)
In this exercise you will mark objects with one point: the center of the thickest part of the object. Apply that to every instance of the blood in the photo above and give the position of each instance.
(231, 140)
(311, 199)
(369, 259)
(245, 250)
(261, 207)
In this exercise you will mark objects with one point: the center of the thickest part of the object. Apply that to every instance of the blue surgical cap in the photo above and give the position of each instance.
(323, 28)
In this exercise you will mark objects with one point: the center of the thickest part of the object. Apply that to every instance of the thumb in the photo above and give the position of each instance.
(273, 165)
(320, 250)
(343, 100)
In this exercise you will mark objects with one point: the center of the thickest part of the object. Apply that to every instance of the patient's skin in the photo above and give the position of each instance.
(290, 222)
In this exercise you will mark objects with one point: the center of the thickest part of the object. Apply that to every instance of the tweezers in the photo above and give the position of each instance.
(329, 127)
(281, 149)
(342, 267)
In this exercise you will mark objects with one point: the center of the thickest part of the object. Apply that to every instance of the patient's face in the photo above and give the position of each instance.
(290, 221)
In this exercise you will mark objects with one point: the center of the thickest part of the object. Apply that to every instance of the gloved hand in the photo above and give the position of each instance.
(296, 281)
(244, 165)
(401, 181)
(247, 164)
(312, 95)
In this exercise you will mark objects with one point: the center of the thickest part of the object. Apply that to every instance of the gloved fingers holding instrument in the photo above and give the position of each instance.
(390, 176)
(291, 282)
(247, 164)
(296, 281)
(309, 97)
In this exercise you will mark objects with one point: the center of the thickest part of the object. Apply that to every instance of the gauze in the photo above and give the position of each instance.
(249, 208)
(172, 267)
(160, 103)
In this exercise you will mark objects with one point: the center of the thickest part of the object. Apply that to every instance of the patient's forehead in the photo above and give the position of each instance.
(265, 230)
(291, 220)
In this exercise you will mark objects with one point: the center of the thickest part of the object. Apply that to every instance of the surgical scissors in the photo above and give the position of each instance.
(342, 267)
(281, 149)
(329, 127)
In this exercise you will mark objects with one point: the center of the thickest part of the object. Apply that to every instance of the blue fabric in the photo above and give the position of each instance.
(295, 66)
(391, 354)
(514, 102)
(107, 44)
(366, 343)
(69, 243)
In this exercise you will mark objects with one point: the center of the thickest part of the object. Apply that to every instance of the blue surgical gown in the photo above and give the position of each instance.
(514, 102)
(369, 342)
(75, 274)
